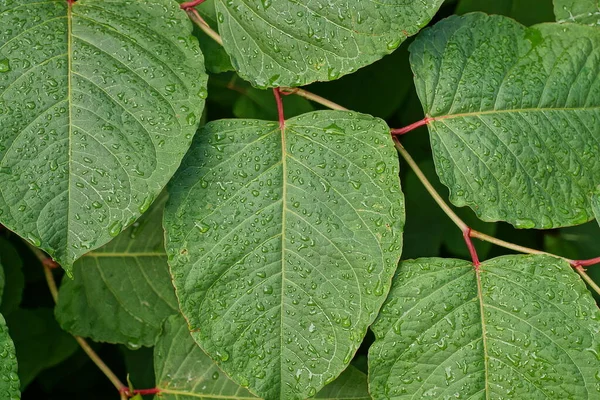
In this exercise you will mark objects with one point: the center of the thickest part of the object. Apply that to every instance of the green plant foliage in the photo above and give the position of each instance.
(9, 381)
(596, 205)
(494, 332)
(121, 292)
(288, 244)
(514, 130)
(281, 43)
(580, 11)
(95, 118)
(39, 341)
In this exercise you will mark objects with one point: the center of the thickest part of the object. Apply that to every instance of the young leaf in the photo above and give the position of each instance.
(122, 292)
(581, 11)
(39, 341)
(499, 331)
(98, 104)
(13, 274)
(282, 244)
(9, 382)
(513, 116)
(282, 43)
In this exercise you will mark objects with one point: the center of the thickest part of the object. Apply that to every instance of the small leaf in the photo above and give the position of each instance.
(39, 341)
(513, 116)
(282, 244)
(13, 274)
(283, 43)
(585, 12)
(99, 101)
(494, 332)
(9, 379)
(122, 292)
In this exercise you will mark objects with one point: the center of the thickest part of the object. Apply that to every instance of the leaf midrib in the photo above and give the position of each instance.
(509, 111)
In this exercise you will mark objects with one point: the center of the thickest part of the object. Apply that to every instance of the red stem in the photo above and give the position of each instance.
(415, 125)
(585, 263)
(142, 392)
(190, 4)
(279, 101)
(471, 247)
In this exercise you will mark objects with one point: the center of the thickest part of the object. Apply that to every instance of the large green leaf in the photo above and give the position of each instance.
(282, 244)
(99, 101)
(9, 379)
(183, 371)
(519, 327)
(292, 43)
(581, 11)
(122, 292)
(39, 341)
(526, 12)
(515, 114)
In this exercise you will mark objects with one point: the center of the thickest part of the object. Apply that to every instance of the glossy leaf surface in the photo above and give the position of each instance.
(98, 104)
(515, 116)
(121, 292)
(498, 333)
(585, 12)
(282, 244)
(9, 380)
(287, 43)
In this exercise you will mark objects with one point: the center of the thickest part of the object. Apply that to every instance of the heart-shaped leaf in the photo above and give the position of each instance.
(99, 101)
(519, 327)
(122, 292)
(282, 243)
(514, 116)
(580, 11)
(292, 43)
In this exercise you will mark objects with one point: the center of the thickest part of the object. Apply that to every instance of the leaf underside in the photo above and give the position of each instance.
(99, 101)
(292, 43)
(585, 12)
(121, 292)
(523, 327)
(516, 116)
(282, 244)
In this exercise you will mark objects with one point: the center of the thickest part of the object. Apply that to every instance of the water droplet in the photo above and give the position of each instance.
(115, 228)
(4, 65)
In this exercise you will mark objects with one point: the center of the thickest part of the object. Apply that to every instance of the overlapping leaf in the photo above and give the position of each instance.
(515, 115)
(522, 327)
(282, 243)
(98, 104)
(122, 292)
(9, 380)
(580, 11)
(290, 43)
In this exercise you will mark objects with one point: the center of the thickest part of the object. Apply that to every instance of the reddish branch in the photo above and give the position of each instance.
(406, 129)
(190, 4)
(471, 247)
(143, 392)
(279, 101)
(585, 263)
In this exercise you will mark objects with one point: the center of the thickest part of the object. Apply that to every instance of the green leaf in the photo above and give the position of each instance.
(497, 332)
(580, 11)
(350, 385)
(99, 101)
(514, 116)
(596, 205)
(9, 382)
(526, 12)
(121, 292)
(13, 274)
(39, 341)
(282, 43)
(282, 244)
(183, 371)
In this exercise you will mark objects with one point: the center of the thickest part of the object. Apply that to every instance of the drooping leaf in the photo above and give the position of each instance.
(520, 327)
(284, 43)
(9, 379)
(39, 341)
(585, 12)
(122, 292)
(13, 274)
(352, 384)
(288, 243)
(98, 104)
(514, 111)
(526, 12)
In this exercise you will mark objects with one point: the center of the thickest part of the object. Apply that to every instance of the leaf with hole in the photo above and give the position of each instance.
(499, 331)
(282, 244)
(513, 115)
(585, 12)
(122, 292)
(99, 101)
(288, 43)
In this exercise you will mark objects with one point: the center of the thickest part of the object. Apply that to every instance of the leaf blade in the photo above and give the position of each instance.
(10, 379)
(585, 12)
